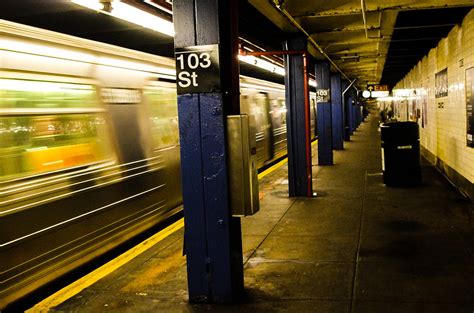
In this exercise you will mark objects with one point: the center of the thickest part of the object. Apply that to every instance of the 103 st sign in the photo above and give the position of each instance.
(323, 95)
(197, 69)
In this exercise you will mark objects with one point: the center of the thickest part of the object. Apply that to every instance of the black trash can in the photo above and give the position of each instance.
(401, 154)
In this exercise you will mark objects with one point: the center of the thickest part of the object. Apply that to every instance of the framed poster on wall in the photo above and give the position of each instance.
(424, 107)
(441, 84)
(470, 106)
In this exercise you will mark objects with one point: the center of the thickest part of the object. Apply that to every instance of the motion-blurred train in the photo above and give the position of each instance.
(89, 149)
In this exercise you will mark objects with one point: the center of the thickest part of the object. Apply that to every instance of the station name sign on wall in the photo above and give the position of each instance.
(197, 69)
(323, 95)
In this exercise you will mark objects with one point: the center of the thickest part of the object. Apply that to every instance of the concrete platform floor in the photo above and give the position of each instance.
(357, 247)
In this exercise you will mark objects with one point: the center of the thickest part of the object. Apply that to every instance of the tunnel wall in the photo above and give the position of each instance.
(442, 117)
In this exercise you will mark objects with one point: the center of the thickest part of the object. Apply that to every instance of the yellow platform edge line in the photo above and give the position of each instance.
(272, 168)
(86, 281)
(279, 164)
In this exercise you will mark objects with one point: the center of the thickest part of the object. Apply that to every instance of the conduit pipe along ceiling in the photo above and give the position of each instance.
(293, 22)
(357, 34)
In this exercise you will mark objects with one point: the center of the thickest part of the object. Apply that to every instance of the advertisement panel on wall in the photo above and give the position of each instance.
(424, 109)
(470, 106)
(441, 83)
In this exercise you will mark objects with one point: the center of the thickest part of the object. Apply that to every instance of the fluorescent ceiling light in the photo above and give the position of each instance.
(131, 14)
(156, 5)
(354, 58)
(250, 59)
(312, 83)
(380, 94)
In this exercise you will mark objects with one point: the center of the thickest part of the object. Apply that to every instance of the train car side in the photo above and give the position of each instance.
(89, 150)
(79, 170)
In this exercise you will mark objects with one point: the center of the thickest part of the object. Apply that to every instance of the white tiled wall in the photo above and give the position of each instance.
(444, 133)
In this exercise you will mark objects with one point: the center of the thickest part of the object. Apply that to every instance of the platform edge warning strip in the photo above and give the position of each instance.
(272, 168)
(279, 164)
(86, 281)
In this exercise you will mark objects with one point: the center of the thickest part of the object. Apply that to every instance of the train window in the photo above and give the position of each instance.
(163, 115)
(259, 111)
(49, 126)
(279, 112)
(18, 94)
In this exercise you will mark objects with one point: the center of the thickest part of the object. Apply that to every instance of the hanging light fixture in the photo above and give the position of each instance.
(130, 14)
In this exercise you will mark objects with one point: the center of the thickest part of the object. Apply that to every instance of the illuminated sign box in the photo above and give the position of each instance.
(380, 94)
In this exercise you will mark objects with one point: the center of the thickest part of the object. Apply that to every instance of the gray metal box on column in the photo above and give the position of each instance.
(242, 155)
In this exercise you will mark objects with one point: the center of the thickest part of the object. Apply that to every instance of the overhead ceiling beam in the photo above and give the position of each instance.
(354, 29)
(425, 26)
(310, 40)
(296, 7)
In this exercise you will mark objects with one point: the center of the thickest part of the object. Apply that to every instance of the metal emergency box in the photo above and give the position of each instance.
(242, 163)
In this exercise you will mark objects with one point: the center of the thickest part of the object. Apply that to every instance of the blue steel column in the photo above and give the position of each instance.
(348, 113)
(357, 114)
(324, 116)
(350, 103)
(299, 180)
(337, 112)
(354, 115)
(355, 108)
(346, 108)
(212, 236)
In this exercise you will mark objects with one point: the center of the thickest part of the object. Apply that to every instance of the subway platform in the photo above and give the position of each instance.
(358, 246)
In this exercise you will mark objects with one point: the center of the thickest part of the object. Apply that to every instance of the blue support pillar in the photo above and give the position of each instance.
(337, 112)
(324, 113)
(347, 112)
(356, 111)
(297, 122)
(355, 121)
(207, 31)
(350, 109)
(359, 114)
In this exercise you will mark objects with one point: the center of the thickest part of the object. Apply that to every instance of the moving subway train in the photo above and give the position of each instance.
(89, 149)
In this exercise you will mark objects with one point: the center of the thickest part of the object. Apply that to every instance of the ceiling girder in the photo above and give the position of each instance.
(302, 8)
(361, 35)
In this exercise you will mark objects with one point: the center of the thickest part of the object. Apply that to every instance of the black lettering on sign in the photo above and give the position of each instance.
(323, 95)
(197, 69)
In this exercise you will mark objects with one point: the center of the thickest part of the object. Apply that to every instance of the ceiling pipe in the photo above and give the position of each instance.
(278, 5)
(349, 87)
(364, 18)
